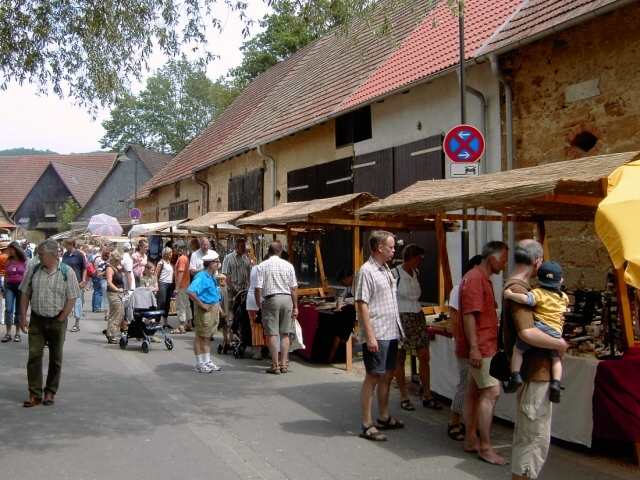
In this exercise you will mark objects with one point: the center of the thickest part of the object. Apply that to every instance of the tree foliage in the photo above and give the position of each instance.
(291, 26)
(177, 103)
(25, 151)
(89, 49)
(67, 214)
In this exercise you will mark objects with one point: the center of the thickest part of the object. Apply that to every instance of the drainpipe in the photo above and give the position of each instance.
(483, 168)
(206, 188)
(508, 100)
(269, 160)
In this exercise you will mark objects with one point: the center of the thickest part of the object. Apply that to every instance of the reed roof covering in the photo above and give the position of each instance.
(556, 191)
(209, 220)
(316, 211)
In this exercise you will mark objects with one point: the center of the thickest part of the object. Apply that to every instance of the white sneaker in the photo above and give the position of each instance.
(203, 368)
(213, 366)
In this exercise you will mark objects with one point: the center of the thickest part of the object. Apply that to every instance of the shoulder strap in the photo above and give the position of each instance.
(397, 275)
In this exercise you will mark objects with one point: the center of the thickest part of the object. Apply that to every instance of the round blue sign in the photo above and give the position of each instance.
(135, 214)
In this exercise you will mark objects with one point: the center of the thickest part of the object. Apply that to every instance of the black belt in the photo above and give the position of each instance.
(276, 294)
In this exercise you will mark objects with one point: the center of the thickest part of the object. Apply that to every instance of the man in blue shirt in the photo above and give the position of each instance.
(78, 263)
(205, 294)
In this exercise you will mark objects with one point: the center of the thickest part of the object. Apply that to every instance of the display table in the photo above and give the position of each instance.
(319, 328)
(572, 418)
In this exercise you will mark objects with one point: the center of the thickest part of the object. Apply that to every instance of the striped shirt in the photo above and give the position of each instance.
(276, 277)
(49, 292)
(237, 269)
(376, 286)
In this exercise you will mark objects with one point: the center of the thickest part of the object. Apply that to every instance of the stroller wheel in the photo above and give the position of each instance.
(145, 347)
(123, 342)
(168, 343)
(220, 348)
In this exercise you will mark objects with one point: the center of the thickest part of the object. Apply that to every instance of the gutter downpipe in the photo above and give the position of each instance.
(483, 168)
(508, 100)
(206, 188)
(270, 160)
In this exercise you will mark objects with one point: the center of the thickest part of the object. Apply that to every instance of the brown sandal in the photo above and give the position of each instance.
(274, 369)
(285, 368)
(32, 402)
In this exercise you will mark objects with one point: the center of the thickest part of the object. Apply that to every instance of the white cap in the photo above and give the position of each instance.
(210, 256)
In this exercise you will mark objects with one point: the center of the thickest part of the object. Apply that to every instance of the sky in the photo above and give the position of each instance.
(43, 122)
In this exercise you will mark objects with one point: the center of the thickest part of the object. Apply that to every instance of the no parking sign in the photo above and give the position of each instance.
(464, 144)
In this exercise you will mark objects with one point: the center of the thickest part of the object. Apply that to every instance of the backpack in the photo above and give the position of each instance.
(91, 270)
(64, 268)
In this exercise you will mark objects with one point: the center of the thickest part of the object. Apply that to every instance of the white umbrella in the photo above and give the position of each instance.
(104, 225)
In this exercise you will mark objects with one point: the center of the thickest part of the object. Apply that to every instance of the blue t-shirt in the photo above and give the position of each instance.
(205, 287)
(76, 261)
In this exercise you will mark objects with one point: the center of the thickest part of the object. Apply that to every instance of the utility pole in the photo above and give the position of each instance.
(463, 120)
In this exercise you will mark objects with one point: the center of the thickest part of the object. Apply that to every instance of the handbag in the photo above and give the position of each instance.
(500, 364)
(297, 343)
(91, 270)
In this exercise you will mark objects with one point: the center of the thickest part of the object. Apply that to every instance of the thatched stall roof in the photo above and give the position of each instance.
(568, 190)
(208, 221)
(320, 212)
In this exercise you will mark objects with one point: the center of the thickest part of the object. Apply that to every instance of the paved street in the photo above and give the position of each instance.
(129, 415)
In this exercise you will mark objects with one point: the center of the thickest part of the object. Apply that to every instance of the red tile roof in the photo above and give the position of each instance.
(337, 73)
(537, 17)
(434, 47)
(20, 173)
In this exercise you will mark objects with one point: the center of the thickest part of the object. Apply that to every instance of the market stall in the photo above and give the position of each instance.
(562, 191)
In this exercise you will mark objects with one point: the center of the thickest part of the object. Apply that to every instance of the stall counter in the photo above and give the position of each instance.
(572, 417)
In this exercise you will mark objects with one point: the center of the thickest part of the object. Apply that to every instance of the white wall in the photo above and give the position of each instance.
(436, 106)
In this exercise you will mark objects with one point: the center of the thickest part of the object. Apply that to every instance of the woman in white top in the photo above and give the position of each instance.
(166, 282)
(257, 331)
(414, 326)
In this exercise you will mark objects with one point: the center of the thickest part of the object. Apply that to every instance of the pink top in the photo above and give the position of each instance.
(139, 262)
(15, 271)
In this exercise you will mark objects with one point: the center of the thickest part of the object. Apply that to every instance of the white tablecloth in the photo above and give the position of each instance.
(572, 417)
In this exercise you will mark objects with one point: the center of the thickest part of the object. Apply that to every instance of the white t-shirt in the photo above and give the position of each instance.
(251, 293)
(409, 291)
(166, 273)
(454, 297)
(127, 262)
(195, 263)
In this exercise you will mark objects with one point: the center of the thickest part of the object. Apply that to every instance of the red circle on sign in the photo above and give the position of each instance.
(464, 144)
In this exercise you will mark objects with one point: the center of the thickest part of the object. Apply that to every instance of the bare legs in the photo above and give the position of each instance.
(371, 381)
(478, 412)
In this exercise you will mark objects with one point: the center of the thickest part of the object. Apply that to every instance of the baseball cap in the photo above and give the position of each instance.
(210, 257)
(550, 274)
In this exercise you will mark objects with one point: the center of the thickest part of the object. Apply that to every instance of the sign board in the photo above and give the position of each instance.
(464, 144)
(460, 170)
(135, 214)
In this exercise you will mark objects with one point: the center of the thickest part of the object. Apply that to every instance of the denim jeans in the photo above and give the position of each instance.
(12, 304)
(97, 300)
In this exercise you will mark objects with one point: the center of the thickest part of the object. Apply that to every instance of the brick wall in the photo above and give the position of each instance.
(571, 89)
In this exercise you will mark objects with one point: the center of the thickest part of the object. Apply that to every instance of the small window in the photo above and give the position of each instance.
(585, 141)
(179, 210)
(176, 189)
(353, 127)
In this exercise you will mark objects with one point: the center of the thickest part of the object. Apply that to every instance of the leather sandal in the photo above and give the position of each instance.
(49, 400)
(285, 368)
(390, 423)
(273, 370)
(373, 434)
(32, 402)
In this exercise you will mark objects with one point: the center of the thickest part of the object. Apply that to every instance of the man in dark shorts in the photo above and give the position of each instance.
(380, 329)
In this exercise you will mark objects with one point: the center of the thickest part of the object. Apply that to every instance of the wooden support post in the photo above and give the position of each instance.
(542, 238)
(443, 258)
(323, 278)
(357, 263)
(625, 305)
(292, 256)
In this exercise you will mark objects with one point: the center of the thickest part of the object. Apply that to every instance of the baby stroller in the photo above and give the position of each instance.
(144, 320)
(241, 326)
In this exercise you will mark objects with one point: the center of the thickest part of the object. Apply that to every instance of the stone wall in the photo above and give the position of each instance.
(575, 95)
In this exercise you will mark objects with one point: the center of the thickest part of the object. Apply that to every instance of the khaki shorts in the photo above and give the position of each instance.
(276, 315)
(205, 321)
(481, 376)
(183, 309)
(532, 431)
